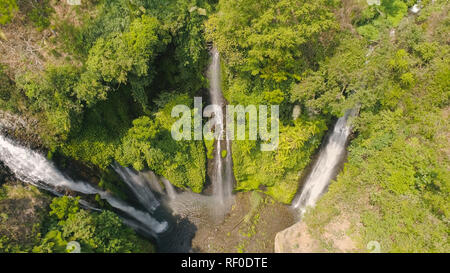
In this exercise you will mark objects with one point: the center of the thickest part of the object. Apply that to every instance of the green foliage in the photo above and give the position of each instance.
(11, 99)
(127, 63)
(404, 180)
(209, 145)
(277, 173)
(149, 144)
(184, 62)
(272, 40)
(426, 51)
(101, 130)
(376, 19)
(6, 88)
(85, 111)
(394, 10)
(65, 221)
(328, 88)
(40, 14)
(395, 188)
(52, 94)
(265, 47)
(7, 10)
(122, 58)
(63, 207)
(52, 242)
(275, 97)
(369, 31)
(96, 232)
(113, 236)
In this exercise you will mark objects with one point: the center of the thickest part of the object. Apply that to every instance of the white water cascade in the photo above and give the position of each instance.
(139, 185)
(223, 181)
(33, 168)
(218, 188)
(416, 8)
(325, 167)
(153, 181)
(228, 187)
(143, 184)
(170, 190)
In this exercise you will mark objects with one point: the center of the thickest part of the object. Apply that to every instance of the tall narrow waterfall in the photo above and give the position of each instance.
(33, 168)
(326, 166)
(228, 186)
(223, 178)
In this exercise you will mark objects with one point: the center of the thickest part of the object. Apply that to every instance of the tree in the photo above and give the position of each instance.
(113, 237)
(274, 40)
(64, 207)
(123, 58)
(96, 232)
(51, 92)
(327, 89)
(149, 144)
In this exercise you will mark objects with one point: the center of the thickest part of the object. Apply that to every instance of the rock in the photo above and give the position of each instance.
(297, 239)
(373, 2)
(74, 2)
(5, 174)
(415, 9)
(201, 11)
(296, 112)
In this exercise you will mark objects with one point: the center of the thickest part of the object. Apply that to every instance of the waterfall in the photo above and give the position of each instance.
(326, 165)
(153, 181)
(218, 179)
(228, 187)
(139, 185)
(33, 168)
(215, 90)
(170, 190)
(143, 184)
(222, 182)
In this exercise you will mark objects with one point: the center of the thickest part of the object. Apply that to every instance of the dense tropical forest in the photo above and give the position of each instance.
(94, 85)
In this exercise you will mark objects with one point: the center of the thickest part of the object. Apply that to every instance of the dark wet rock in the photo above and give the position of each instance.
(5, 174)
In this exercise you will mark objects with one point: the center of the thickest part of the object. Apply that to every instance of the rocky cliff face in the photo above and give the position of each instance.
(296, 239)
(299, 239)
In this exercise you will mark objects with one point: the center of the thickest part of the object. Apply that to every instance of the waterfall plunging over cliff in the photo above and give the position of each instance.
(140, 186)
(222, 181)
(33, 168)
(325, 168)
(170, 190)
